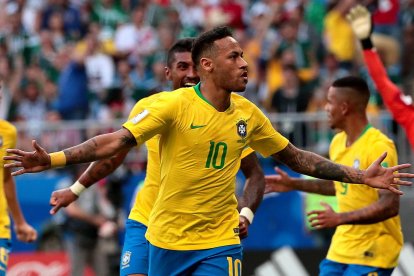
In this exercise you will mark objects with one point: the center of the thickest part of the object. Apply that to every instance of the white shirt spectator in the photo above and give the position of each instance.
(100, 70)
(140, 40)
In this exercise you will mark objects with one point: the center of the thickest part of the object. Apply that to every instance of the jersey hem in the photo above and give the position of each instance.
(191, 246)
(377, 263)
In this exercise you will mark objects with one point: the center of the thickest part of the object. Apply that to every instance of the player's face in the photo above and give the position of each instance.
(182, 72)
(230, 69)
(335, 108)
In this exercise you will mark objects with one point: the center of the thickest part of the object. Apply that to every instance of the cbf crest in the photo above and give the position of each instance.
(126, 258)
(241, 126)
(1, 141)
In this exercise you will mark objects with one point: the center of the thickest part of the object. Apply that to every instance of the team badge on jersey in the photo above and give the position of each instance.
(356, 164)
(1, 141)
(242, 128)
(126, 258)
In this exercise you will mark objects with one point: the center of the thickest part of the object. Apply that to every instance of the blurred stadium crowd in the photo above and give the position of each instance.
(79, 59)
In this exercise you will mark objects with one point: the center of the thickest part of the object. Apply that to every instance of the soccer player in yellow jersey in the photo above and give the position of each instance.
(193, 226)
(368, 236)
(8, 200)
(181, 72)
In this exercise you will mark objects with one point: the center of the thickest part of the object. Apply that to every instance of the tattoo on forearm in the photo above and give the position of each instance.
(99, 170)
(329, 170)
(128, 141)
(309, 163)
(386, 207)
(82, 153)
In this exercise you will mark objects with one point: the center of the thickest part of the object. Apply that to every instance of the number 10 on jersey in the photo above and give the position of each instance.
(217, 155)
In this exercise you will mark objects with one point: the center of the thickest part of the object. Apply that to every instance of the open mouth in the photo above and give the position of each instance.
(189, 84)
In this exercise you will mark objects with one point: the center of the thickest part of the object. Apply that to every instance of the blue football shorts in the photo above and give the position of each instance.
(331, 268)
(219, 261)
(134, 258)
(5, 247)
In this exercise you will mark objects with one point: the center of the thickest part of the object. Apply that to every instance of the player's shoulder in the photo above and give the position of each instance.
(338, 139)
(150, 99)
(178, 98)
(7, 127)
(377, 137)
(241, 102)
(7, 131)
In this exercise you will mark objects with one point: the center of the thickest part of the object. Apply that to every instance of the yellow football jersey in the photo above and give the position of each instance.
(145, 199)
(375, 244)
(148, 194)
(200, 150)
(8, 137)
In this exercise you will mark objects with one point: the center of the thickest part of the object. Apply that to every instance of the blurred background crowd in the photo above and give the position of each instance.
(64, 61)
(79, 59)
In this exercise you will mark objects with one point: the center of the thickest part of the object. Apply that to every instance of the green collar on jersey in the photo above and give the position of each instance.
(368, 126)
(197, 90)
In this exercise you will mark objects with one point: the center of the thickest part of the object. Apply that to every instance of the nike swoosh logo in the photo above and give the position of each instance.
(194, 127)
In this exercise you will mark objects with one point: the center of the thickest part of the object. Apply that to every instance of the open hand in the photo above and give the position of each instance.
(360, 19)
(28, 162)
(377, 176)
(326, 218)
(277, 183)
(61, 198)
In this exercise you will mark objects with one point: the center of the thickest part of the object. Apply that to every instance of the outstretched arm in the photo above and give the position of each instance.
(282, 182)
(252, 193)
(376, 176)
(23, 230)
(96, 148)
(386, 207)
(95, 172)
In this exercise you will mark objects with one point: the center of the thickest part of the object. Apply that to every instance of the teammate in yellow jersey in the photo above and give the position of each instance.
(8, 200)
(181, 72)
(193, 226)
(368, 237)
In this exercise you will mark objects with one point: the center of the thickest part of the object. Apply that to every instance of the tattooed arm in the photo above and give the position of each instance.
(102, 168)
(96, 148)
(386, 207)
(100, 147)
(312, 164)
(376, 176)
(95, 172)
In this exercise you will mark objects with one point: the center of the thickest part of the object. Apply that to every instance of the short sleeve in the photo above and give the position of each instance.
(265, 139)
(246, 152)
(379, 148)
(153, 119)
(8, 138)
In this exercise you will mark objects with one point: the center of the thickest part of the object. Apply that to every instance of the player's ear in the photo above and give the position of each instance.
(168, 73)
(206, 64)
(345, 107)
